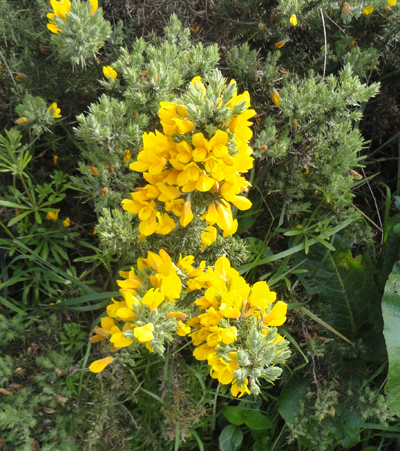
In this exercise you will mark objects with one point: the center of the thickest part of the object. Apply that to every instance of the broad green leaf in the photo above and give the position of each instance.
(257, 421)
(230, 439)
(389, 254)
(391, 318)
(288, 402)
(235, 415)
(350, 301)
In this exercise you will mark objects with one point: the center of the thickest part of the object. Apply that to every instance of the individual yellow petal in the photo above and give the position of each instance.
(277, 316)
(22, 121)
(66, 222)
(120, 341)
(187, 215)
(107, 323)
(279, 44)
(99, 365)
(153, 298)
(275, 98)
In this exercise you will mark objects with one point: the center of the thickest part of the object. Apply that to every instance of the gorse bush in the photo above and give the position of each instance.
(198, 225)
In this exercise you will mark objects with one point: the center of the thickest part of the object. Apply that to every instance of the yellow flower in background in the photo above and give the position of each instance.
(108, 72)
(276, 97)
(145, 333)
(67, 222)
(93, 170)
(55, 159)
(279, 44)
(95, 5)
(53, 215)
(127, 156)
(208, 237)
(293, 19)
(392, 2)
(22, 121)
(53, 108)
(99, 365)
(367, 10)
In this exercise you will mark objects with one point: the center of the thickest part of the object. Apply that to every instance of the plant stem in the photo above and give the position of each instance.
(7, 231)
(27, 191)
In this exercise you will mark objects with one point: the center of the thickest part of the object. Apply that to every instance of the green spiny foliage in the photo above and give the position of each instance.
(147, 75)
(80, 34)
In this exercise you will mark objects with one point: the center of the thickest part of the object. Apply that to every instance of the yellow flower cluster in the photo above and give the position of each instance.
(229, 302)
(60, 9)
(156, 287)
(185, 162)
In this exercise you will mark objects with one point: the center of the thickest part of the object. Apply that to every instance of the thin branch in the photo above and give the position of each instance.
(334, 23)
(5, 62)
(366, 217)
(323, 22)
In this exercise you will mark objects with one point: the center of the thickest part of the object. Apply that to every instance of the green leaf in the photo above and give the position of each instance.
(230, 439)
(389, 254)
(257, 421)
(288, 402)
(349, 298)
(5, 203)
(235, 415)
(391, 318)
(11, 306)
(292, 250)
(18, 218)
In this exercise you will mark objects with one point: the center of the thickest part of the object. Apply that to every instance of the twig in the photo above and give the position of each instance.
(376, 205)
(240, 23)
(323, 22)
(5, 62)
(133, 420)
(366, 217)
(334, 23)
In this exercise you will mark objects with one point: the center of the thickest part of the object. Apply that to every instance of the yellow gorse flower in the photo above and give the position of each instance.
(95, 5)
(108, 72)
(53, 108)
(60, 9)
(276, 97)
(53, 215)
(293, 19)
(127, 156)
(67, 222)
(231, 311)
(229, 297)
(175, 171)
(162, 281)
(367, 10)
(279, 44)
(392, 2)
(22, 121)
